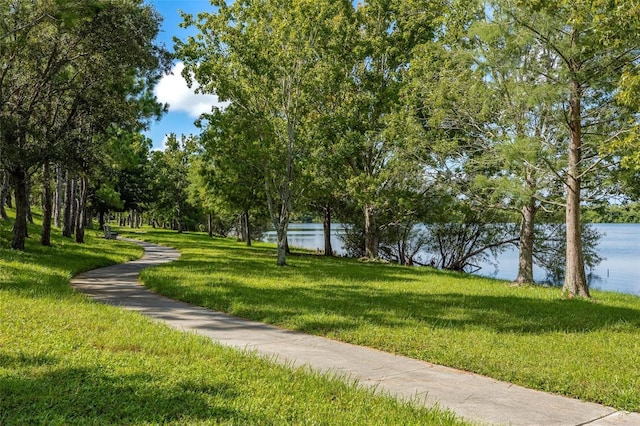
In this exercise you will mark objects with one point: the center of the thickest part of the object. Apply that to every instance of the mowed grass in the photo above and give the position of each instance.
(530, 335)
(66, 360)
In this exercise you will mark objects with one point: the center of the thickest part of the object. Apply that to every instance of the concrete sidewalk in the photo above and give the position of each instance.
(473, 397)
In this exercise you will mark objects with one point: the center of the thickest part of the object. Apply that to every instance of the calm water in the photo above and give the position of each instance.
(619, 247)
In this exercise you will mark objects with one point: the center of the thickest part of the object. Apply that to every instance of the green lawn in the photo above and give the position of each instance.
(530, 336)
(65, 360)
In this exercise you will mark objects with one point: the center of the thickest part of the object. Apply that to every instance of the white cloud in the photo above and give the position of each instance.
(162, 146)
(172, 89)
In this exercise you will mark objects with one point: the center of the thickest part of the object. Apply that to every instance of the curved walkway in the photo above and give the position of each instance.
(473, 397)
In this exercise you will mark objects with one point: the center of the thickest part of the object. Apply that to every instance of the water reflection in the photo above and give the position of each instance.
(619, 248)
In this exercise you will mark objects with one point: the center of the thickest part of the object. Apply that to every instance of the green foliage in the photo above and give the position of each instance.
(591, 44)
(170, 182)
(231, 163)
(108, 197)
(262, 57)
(72, 72)
(386, 112)
(551, 246)
(526, 335)
(64, 58)
(382, 154)
(123, 176)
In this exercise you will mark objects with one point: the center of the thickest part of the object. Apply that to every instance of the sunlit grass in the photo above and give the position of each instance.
(529, 336)
(66, 360)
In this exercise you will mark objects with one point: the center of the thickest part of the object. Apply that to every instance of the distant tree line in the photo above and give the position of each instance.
(614, 213)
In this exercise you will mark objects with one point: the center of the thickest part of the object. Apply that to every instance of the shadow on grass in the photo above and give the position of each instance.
(348, 306)
(89, 396)
(22, 360)
(331, 307)
(41, 271)
(27, 282)
(225, 255)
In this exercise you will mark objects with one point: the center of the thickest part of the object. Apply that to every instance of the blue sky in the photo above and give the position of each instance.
(184, 105)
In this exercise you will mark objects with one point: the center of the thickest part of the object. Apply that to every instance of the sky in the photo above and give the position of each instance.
(184, 105)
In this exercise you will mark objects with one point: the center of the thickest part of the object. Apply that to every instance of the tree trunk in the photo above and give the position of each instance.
(371, 242)
(326, 226)
(281, 223)
(74, 204)
(28, 203)
(101, 220)
(19, 177)
(68, 222)
(575, 280)
(81, 209)
(401, 253)
(525, 247)
(47, 205)
(280, 220)
(4, 193)
(8, 199)
(58, 198)
(247, 227)
(281, 232)
(88, 216)
(210, 224)
(240, 229)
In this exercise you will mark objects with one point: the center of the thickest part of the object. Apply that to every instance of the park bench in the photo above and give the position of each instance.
(109, 234)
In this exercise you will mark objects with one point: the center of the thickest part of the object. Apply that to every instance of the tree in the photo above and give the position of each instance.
(170, 171)
(122, 179)
(628, 147)
(262, 56)
(231, 166)
(32, 55)
(201, 194)
(68, 68)
(520, 156)
(388, 33)
(594, 44)
(467, 238)
(326, 127)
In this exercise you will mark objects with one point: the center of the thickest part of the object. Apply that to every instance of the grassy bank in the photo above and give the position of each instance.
(530, 336)
(66, 360)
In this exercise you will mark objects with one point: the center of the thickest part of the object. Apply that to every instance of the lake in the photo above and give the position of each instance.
(619, 247)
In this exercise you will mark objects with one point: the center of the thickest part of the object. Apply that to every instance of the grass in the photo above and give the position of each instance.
(528, 335)
(67, 360)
